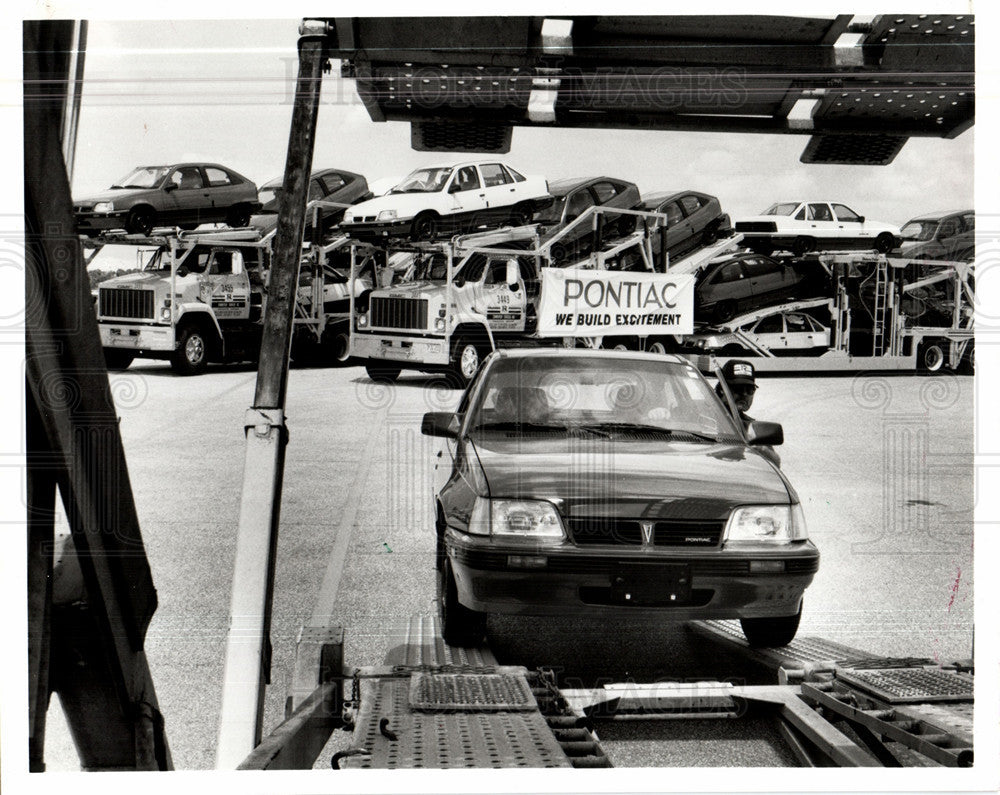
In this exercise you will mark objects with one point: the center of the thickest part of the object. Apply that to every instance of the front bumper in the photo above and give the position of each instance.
(100, 222)
(138, 338)
(406, 351)
(378, 230)
(720, 585)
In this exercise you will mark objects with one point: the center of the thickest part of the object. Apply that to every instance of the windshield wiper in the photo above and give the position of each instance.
(519, 426)
(636, 427)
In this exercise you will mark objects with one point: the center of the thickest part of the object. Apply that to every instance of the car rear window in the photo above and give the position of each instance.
(494, 175)
(605, 191)
(691, 204)
(217, 177)
(517, 177)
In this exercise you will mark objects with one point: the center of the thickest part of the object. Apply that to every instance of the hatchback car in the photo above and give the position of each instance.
(942, 236)
(446, 199)
(693, 220)
(327, 185)
(605, 484)
(743, 283)
(804, 226)
(779, 331)
(186, 194)
(573, 197)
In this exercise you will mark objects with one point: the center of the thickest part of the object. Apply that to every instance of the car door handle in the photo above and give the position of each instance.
(513, 189)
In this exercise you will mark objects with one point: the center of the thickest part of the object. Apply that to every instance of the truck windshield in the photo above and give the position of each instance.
(143, 177)
(431, 268)
(424, 180)
(782, 208)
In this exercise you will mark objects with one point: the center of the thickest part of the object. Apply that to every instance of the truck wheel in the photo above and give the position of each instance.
(339, 347)
(139, 221)
(466, 358)
(382, 374)
(656, 346)
(425, 226)
(885, 243)
(931, 357)
(238, 216)
(771, 632)
(118, 360)
(191, 355)
(460, 626)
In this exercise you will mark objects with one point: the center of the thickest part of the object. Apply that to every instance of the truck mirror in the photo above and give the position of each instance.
(765, 433)
(182, 271)
(512, 274)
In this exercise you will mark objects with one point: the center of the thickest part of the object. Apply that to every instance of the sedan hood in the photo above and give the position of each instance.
(406, 205)
(678, 480)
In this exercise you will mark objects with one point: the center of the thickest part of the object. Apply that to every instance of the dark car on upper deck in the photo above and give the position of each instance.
(572, 198)
(327, 188)
(693, 220)
(603, 483)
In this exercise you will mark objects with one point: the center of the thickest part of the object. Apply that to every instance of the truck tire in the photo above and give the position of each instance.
(466, 357)
(771, 632)
(656, 345)
(885, 243)
(191, 355)
(140, 221)
(460, 626)
(931, 357)
(382, 374)
(118, 360)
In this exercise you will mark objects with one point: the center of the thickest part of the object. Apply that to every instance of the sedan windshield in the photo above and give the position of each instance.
(603, 397)
(782, 208)
(143, 177)
(424, 180)
(918, 230)
(268, 196)
(553, 213)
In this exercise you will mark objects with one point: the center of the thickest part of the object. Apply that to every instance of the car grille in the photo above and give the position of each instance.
(399, 313)
(126, 303)
(588, 531)
(755, 226)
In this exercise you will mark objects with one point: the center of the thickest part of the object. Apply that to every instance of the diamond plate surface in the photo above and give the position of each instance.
(470, 692)
(913, 685)
(796, 654)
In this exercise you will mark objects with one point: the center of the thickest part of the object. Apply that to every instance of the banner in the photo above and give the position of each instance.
(591, 303)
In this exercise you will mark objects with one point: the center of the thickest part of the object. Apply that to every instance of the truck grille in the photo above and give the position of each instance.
(399, 313)
(588, 531)
(126, 303)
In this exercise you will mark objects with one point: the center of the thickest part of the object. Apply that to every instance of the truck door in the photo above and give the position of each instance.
(225, 285)
(503, 295)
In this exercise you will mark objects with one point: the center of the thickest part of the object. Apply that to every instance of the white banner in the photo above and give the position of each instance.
(591, 303)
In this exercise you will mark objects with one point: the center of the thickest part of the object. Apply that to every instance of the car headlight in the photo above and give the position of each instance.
(348, 217)
(387, 215)
(777, 524)
(528, 519)
(104, 207)
(363, 320)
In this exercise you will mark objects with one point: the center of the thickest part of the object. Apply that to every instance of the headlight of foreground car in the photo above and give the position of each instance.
(104, 207)
(528, 519)
(387, 215)
(776, 524)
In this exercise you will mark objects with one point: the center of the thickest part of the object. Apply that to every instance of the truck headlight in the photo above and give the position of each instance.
(387, 215)
(165, 314)
(104, 207)
(776, 524)
(363, 320)
(439, 324)
(528, 519)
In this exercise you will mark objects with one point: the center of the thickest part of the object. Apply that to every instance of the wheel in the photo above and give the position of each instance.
(656, 346)
(191, 355)
(931, 357)
(771, 632)
(968, 364)
(338, 347)
(466, 358)
(521, 215)
(118, 360)
(710, 235)
(725, 310)
(802, 246)
(460, 626)
(885, 243)
(626, 225)
(139, 221)
(238, 216)
(759, 247)
(425, 226)
(382, 374)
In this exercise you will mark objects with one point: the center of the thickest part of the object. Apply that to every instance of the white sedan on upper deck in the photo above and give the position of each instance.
(804, 226)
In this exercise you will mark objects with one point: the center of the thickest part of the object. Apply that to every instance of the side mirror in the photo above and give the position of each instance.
(454, 188)
(182, 271)
(861, 219)
(512, 274)
(459, 281)
(765, 433)
(440, 423)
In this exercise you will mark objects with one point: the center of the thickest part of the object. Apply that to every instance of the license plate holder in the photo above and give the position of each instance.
(647, 584)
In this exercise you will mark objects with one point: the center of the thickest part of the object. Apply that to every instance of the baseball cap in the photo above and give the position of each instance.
(738, 371)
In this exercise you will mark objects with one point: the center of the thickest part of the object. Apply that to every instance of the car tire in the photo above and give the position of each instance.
(762, 248)
(191, 355)
(626, 225)
(118, 360)
(381, 374)
(802, 246)
(724, 310)
(466, 358)
(140, 221)
(766, 633)
(521, 215)
(931, 358)
(425, 226)
(238, 216)
(885, 243)
(460, 626)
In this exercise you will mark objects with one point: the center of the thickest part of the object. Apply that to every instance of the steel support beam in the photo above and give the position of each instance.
(248, 644)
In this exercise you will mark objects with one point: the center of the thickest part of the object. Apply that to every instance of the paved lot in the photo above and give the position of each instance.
(883, 465)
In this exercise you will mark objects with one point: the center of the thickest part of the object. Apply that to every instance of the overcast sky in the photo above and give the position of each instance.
(161, 92)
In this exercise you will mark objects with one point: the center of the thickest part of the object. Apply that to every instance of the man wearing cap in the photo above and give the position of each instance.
(742, 383)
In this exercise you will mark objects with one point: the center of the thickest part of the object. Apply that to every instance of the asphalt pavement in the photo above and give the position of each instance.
(883, 465)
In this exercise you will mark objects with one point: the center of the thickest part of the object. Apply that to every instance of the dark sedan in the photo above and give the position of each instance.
(185, 194)
(327, 185)
(940, 236)
(572, 198)
(693, 220)
(603, 483)
(744, 283)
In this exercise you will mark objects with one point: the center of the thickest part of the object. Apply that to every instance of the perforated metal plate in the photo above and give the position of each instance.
(802, 650)
(910, 685)
(470, 692)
